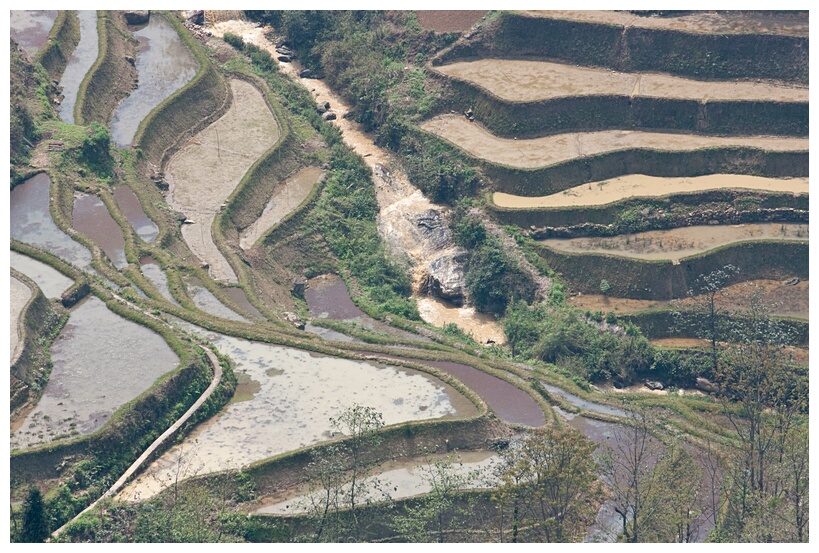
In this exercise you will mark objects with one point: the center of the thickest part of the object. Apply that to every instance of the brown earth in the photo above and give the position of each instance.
(550, 150)
(785, 301)
(449, 21)
(19, 296)
(529, 81)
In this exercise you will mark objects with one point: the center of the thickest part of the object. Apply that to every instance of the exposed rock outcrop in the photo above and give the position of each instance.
(136, 17)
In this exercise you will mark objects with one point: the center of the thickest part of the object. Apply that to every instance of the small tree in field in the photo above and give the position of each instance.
(35, 518)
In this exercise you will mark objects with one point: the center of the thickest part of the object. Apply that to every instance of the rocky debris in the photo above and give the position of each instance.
(284, 59)
(136, 17)
(654, 385)
(434, 229)
(195, 17)
(157, 177)
(446, 277)
(188, 222)
(305, 73)
(791, 281)
(299, 286)
(328, 116)
(326, 105)
(293, 319)
(470, 114)
(321, 109)
(130, 59)
(198, 32)
(285, 51)
(706, 385)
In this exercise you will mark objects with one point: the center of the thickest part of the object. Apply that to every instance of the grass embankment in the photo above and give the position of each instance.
(111, 78)
(62, 40)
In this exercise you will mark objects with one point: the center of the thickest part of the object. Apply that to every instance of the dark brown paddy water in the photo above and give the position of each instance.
(31, 222)
(92, 219)
(84, 56)
(30, 28)
(240, 298)
(207, 302)
(132, 209)
(164, 65)
(100, 363)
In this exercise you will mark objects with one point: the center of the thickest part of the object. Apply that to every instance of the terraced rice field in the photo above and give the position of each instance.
(678, 243)
(293, 396)
(645, 186)
(50, 281)
(207, 169)
(19, 294)
(99, 365)
(531, 81)
(285, 200)
(132, 209)
(84, 56)
(550, 150)
(91, 218)
(30, 28)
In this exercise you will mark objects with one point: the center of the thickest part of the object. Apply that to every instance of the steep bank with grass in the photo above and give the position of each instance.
(62, 39)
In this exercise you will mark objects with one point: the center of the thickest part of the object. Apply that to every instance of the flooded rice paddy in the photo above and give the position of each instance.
(84, 56)
(240, 298)
(483, 328)
(531, 81)
(207, 169)
(628, 186)
(30, 28)
(207, 302)
(99, 364)
(678, 243)
(285, 199)
(19, 294)
(91, 218)
(31, 222)
(50, 281)
(154, 273)
(581, 403)
(289, 397)
(397, 479)
(164, 65)
(543, 152)
(132, 209)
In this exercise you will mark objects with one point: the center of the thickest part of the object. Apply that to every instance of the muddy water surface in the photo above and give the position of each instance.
(581, 403)
(84, 56)
(550, 150)
(207, 169)
(30, 28)
(627, 186)
(240, 298)
(91, 218)
(50, 281)
(289, 407)
(285, 199)
(680, 242)
(31, 222)
(19, 294)
(397, 479)
(482, 327)
(164, 65)
(207, 302)
(99, 365)
(153, 272)
(529, 81)
(132, 209)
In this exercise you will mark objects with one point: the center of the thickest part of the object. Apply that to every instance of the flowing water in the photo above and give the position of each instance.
(84, 56)
(91, 218)
(31, 222)
(100, 363)
(50, 281)
(30, 28)
(164, 65)
(132, 209)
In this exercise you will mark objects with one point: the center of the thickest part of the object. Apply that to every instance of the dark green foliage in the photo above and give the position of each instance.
(234, 40)
(95, 151)
(35, 518)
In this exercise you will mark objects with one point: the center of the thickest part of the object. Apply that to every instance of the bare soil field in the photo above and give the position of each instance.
(642, 186)
(207, 169)
(550, 150)
(449, 21)
(287, 198)
(530, 81)
(784, 300)
(705, 23)
(19, 294)
(678, 243)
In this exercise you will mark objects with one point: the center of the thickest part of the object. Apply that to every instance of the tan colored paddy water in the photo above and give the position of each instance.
(678, 243)
(396, 479)
(50, 281)
(19, 294)
(289, 406)
(285, 200)
(550, 150)
(530, 81)
(208, 168)
(643, 186)
(482, 327)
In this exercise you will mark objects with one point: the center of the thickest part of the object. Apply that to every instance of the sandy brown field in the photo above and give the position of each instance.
(550, 150)
(529, 81)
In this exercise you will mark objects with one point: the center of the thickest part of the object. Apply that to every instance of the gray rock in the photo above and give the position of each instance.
(196, 17)
(706, 385)
(293, 319)
(328, 116)
(434, 229)
(446, 276)
(305, 73)
(284, 59)
(654, 385)
(136, 17)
